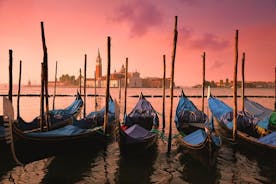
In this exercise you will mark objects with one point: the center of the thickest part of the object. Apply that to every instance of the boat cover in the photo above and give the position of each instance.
(68, 130)
(221, 111)
(269, 139)
(142, 114)
(186, 111)
(195, 138)
(256, 109)
(139, 133)
(56, 116)
(97, 118)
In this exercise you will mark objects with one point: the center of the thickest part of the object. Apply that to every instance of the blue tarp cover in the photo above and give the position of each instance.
(269, 139)
(56, 116)
(142, 114)
(138, 132)
(97, 118)
(196, 137)
(187, 112)
(68, 130)
(256, 109)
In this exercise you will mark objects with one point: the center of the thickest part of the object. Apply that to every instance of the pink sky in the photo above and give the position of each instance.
(141, 30)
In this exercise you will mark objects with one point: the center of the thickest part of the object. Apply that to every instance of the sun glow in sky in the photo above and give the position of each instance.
(141, 30)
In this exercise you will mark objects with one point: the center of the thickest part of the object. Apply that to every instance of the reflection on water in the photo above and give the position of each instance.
(107, 165)
(136, 168)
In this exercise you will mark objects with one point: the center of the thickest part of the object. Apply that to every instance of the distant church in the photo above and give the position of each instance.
(118, 78)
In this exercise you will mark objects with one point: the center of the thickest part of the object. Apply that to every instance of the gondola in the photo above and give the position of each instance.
(196, 133)
(136, 134)
(96, 118)
(267, 116)
(57, 118)
(247, 133)
(49, 142)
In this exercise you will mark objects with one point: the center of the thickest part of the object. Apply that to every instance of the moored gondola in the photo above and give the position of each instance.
(248, 131)
(196, 134)
(52, 141)
(136, 134)
(57, 118)
(267, 116)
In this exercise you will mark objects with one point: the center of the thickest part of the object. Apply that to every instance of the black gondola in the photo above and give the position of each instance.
(137, 133)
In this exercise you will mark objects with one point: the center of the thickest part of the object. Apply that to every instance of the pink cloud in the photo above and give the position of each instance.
(216, 65)
(140, 15)
(209, 41)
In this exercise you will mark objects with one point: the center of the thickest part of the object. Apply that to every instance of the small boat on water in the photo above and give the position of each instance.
(247, 127)
(96, 118)
(59, 139)
(137, 133)
(58, 118)
(196, 133)
(267, 116)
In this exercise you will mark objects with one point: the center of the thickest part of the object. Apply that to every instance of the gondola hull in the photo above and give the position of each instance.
(129, 144)
(254, 144)
(30, 148)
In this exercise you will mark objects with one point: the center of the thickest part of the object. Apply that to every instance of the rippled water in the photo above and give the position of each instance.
(106, 165)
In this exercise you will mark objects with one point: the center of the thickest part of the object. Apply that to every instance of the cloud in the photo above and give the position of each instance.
(185, 32)
(216, 64)
(209, 41)
(190, 2)
(140, 15)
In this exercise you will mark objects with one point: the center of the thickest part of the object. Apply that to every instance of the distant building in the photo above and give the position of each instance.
(117, 79)
(155, 82)
(98, 74)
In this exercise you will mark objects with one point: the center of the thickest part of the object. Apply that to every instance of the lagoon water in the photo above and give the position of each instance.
(233, 165)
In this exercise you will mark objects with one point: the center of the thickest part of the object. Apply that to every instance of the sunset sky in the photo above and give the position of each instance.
(141, 30)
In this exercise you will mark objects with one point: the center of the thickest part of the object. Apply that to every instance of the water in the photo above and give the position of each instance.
(233, 165)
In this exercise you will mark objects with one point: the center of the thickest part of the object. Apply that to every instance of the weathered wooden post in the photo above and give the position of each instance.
(275, 91)
(10, 75)
(164, 93)
(42, 98)
(172, 84)
(126, 78)
(95, 91)
(203, 81)
(107, 84)
(243, 60)
(45, 61)
(235, 86)
(80, 81)
(55, 88)
(84, 85)
(19, 88)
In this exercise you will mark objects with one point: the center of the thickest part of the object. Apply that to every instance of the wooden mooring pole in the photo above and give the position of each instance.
(203, 81)
(164, 93)
(275, 91)
(84, 85)
(126, 78)
(107, 94)
(19, 88)
(242, 70)
(235, 86)
(45, 61)
(10, 75)
(172, 84)
(42, 98)
(55, 88)
(95, 91)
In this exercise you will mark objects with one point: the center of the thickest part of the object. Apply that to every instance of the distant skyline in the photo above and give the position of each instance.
(141, 30)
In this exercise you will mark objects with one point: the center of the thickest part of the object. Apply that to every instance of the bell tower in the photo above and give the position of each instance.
(98, 66)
